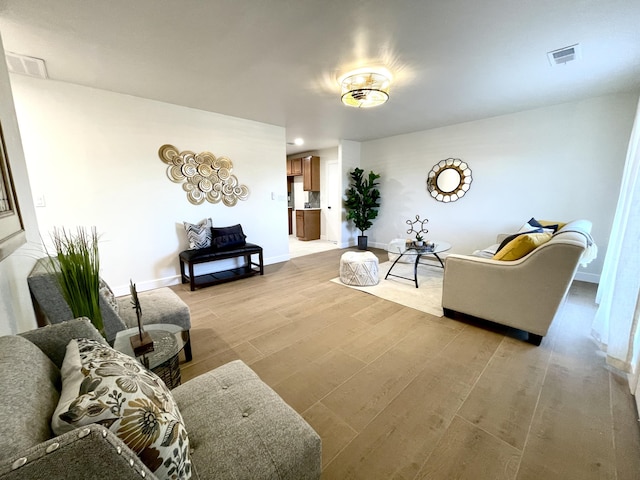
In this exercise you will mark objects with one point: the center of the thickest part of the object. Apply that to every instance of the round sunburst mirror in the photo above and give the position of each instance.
(449, 180)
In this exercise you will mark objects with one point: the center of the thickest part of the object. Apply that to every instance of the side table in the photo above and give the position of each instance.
(418, 252)
(163, 360)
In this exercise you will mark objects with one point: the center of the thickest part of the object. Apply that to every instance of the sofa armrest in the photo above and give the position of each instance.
(53, 339)
(87, 453)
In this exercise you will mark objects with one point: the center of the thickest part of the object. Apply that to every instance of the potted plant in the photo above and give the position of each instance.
(76, 265)
(419, 240)
(362, 203)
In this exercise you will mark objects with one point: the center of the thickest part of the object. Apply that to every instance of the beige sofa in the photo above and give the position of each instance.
(525, 293)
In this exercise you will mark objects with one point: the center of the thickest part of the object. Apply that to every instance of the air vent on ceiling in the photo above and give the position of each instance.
(34, 67)
(564, 55)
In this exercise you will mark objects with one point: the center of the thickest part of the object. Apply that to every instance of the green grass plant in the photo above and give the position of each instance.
(76, 264)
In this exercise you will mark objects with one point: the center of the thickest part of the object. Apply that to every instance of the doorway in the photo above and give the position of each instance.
(334, 202)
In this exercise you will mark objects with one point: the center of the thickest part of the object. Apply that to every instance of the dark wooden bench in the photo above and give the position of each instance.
(206, 255)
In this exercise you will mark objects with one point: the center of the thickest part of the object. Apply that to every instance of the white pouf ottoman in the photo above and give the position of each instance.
(359, 269)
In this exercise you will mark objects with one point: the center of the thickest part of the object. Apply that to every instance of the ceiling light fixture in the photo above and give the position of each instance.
(365, 87)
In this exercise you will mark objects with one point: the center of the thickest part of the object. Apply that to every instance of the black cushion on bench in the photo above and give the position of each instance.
(224, 237)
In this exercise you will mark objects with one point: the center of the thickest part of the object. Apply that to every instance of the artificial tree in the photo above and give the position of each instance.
(362, 203)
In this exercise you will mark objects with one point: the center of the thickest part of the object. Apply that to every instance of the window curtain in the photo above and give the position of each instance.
(616, 324)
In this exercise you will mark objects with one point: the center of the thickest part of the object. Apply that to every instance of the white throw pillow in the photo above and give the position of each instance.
(488, 252)
(199, 234)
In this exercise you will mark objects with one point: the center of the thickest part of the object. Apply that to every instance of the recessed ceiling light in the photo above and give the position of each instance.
(299, 141)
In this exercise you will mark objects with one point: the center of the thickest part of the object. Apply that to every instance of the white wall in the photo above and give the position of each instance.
(93, 156)
(557, 163)
(16, 311)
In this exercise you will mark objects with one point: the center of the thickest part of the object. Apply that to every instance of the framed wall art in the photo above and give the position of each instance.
(12, 234)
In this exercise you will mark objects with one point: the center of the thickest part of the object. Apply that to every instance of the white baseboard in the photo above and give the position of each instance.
(121, 290)
(176, 279)
(278, 259)
(354, 243)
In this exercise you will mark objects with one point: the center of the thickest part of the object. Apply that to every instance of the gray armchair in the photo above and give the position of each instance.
(161, 305)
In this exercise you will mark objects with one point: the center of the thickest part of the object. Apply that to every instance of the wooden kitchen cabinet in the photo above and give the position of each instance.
(308, 224)
(311, 174)
(296, 166)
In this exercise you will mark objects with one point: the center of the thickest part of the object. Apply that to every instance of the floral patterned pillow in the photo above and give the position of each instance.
(101, 385)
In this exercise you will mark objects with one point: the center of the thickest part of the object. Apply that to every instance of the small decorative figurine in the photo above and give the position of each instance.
(418, 227)
(141, 343)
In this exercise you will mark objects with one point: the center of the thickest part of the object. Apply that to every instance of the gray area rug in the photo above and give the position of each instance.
(426, 298)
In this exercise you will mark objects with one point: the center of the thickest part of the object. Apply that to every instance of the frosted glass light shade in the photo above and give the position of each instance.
(365, 89)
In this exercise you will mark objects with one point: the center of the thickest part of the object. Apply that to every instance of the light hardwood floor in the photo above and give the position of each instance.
(397, 393)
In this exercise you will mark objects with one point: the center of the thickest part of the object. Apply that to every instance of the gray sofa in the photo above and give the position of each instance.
(238, 427)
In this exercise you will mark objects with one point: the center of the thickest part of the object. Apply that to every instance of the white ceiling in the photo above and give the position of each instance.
(276, 61)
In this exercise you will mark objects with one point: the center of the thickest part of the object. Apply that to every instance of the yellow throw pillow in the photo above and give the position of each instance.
(521, 246)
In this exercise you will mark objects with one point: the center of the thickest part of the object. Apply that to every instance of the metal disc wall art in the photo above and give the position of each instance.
(203, 176)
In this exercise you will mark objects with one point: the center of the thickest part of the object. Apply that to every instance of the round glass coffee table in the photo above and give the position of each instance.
(163, 360)
(408, 252)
